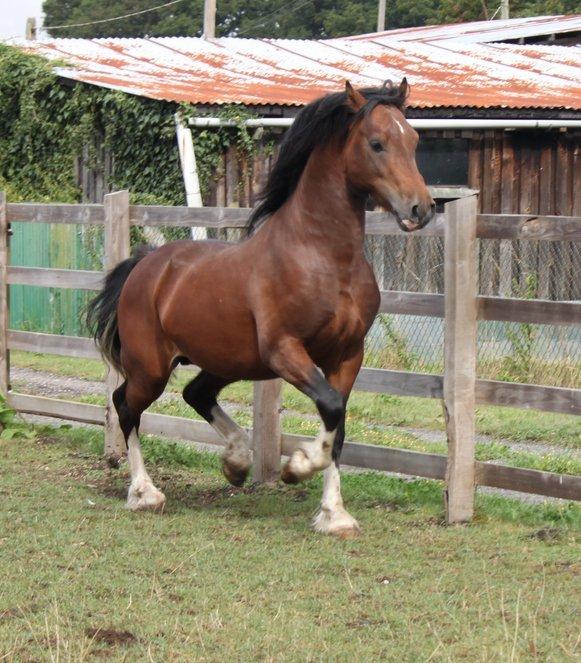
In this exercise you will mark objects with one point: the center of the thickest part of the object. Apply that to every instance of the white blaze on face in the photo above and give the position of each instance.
(400, 126)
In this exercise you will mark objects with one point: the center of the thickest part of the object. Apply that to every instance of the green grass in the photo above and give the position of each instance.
(236, 574)
(498, 422)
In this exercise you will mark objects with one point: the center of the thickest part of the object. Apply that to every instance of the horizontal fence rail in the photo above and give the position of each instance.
(367, 456)
(117, 216)
(488, 226)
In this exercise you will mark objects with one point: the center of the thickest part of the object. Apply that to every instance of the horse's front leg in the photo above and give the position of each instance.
(289, 359)
(201, 393)
(332, 517)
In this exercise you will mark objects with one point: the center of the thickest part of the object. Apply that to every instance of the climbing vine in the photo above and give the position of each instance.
(48, 124)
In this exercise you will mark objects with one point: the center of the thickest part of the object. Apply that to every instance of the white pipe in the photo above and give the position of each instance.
(189, 171)
(418, 123)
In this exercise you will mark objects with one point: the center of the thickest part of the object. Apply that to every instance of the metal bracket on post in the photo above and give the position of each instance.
(117, 248)
(267, 431)
(460, 326)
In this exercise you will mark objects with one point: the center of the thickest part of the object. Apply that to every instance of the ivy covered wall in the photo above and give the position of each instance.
(50, 126)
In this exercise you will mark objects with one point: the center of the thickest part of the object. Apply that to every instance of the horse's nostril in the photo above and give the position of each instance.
(416, 211)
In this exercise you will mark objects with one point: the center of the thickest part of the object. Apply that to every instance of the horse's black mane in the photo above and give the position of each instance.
(314, 125)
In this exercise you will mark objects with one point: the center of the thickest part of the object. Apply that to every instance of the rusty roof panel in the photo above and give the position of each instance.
(445, 65)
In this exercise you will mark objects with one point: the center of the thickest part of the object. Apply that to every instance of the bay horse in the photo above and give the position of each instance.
(294, 300)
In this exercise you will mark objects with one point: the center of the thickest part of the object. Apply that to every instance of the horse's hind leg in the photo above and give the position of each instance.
(130, 400)
(201, 394)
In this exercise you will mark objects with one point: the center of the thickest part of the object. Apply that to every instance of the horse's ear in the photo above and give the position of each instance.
(404, 88)
(354, 98)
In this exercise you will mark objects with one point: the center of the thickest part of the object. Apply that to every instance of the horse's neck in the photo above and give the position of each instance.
(322, 210)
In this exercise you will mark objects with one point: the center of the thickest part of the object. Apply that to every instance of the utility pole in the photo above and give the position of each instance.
(30, 29)
(381, 16)
(209, 19)
(504, 10)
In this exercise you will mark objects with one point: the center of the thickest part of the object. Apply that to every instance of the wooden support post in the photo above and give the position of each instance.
(460, 280)
(117, 248)
(267, 431)
(4, 357)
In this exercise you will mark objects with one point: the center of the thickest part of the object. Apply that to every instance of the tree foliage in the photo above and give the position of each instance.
(297, 19)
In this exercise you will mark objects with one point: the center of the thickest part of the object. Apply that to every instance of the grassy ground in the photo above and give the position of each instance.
(364, 409)
(236, 574)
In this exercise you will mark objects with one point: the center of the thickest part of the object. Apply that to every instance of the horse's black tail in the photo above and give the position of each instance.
(102, 310)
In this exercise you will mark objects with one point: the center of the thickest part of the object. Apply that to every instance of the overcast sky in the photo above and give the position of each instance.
(13, 15)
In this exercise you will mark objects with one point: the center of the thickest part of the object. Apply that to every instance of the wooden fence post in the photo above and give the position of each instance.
(460, 282)
(267, 431)
(117, 248)
(4, 357)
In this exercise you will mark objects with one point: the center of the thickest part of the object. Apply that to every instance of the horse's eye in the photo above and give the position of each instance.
(376, 146)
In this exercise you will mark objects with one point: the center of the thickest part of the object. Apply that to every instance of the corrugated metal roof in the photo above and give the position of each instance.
(485, 31)
(444, 64)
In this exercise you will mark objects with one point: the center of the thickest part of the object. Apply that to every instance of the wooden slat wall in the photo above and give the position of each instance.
(528, 173)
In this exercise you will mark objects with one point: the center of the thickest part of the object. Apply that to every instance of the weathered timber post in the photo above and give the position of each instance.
(460, 283)
(267, 432)
(4, 356)
(117, 248)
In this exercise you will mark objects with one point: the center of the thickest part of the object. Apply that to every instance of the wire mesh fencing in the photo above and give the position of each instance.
(509, 351)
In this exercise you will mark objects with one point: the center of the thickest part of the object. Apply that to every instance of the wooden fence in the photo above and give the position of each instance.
(461, 308)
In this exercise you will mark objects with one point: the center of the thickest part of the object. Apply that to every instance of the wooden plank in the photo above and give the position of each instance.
(451, 192)
(546, 206)
(508, 187)
(539, 311)
(55, 407)
(412, 303)
(567, 487)
(460, 356)
(65, 346)
(399, 383)
(56, 213)
(208, 217)
(4, 259)
(529, 226)
(179, 428)
(55, 278)
(267, 431)
(117, 248)
(358, 455)
(384, 223)
(528, 396)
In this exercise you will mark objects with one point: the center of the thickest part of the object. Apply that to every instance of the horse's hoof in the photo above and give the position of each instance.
(336, 523)
(236, 475)
(145, 497)
(298, 468)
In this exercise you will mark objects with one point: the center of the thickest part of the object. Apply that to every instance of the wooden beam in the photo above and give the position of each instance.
(528, 396)
(55, 278)
(267, 431)
(117, 248)
(65, 346)
(4, 258)
(460, 275)
(432, 466)
(178, 216)
(55, 407)
(565, 486)
(540, 311)
(56, 213)
(399, 383)
(529, 226)
(412, 303)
